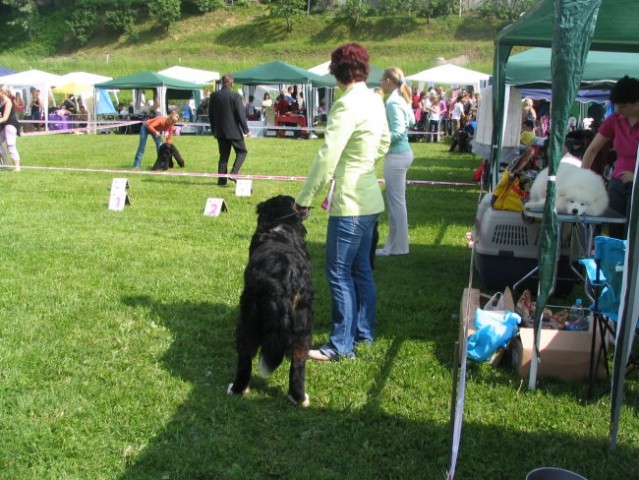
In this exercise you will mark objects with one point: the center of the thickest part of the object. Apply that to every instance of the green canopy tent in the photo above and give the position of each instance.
(281, 73)
(572, 28)
(150, 80)
(532, 68)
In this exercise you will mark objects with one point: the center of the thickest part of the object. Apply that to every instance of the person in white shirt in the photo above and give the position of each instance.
(433, 117)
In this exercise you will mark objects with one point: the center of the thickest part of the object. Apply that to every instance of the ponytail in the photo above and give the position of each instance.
(406, 93)
(395, 75)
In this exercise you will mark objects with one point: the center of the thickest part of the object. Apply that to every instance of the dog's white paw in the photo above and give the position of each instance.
(304, 403)
(229, 391)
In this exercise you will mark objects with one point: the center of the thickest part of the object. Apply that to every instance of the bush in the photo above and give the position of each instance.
(289, 9)
(120, 16)
(82, 24)
(204, 6)
(20, 14)
(355, 10)
(504, 9)
(165, 12)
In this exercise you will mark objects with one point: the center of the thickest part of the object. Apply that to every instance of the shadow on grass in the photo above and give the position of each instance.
(213, 436)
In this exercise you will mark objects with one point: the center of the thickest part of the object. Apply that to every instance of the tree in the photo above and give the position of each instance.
(120, 16)
(204, 6)
(508, 10)
(22, 14)
(82, 23)
(165, 12)
(354, 11)
(289, 9)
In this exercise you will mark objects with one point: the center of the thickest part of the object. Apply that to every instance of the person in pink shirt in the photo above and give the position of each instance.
(622, 129)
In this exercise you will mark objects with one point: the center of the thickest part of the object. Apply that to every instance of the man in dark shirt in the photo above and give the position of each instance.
(71, 104)
(229, 126)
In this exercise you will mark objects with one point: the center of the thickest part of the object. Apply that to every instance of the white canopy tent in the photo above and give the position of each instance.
(84, 77)
(84, 82)
(450, 74)
(205, 78)
(321, 69)
(194, 75)
(43, 81)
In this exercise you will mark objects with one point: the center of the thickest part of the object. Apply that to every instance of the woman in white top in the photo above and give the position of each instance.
(433, 117)
(457, 113)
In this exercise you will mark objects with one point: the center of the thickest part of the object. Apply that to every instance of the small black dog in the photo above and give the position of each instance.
(165, 157)
(276, 314)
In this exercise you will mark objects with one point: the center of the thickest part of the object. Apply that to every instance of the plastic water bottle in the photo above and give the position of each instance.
(576, 311)
(577, 320)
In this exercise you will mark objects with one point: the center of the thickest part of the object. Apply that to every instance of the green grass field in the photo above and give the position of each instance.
(116, 336)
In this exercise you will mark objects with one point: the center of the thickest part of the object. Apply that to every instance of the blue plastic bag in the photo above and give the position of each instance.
(494, 330)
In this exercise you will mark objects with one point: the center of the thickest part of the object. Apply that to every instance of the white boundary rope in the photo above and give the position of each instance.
(290, 178)
(93, 126)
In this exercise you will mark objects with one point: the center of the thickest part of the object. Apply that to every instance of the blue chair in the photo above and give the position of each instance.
(604, 277)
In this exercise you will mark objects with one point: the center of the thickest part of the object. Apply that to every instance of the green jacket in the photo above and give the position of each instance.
(356, 138)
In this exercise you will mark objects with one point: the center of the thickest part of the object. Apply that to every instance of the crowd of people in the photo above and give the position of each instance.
(439, 113)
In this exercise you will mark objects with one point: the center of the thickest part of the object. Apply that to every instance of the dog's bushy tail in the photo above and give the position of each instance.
(271, 355)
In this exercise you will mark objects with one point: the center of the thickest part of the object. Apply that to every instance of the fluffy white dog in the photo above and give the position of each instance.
(579, 191)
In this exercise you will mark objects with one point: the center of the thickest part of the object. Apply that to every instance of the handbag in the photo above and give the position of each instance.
(508, 193)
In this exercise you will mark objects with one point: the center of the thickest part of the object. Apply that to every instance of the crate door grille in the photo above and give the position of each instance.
(513, 235)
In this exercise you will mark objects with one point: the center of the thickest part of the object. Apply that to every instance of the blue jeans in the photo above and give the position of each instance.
(144, 133)
(619, 194)
(350, 278)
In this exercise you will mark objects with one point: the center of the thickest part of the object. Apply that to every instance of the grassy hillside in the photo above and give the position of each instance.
(236, 38)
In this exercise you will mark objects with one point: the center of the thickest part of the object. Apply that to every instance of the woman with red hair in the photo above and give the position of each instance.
(356, 137)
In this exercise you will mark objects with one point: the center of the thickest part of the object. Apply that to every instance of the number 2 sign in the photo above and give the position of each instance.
(214, 206)
(119, 197)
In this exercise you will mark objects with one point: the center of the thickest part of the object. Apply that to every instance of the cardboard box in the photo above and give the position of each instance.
(564, 354)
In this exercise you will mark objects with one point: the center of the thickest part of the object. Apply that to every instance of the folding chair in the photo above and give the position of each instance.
(604, 276)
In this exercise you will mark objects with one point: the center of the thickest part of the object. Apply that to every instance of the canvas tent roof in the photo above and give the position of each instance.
(5, 71)
(450, 74)
(32, 78)
(84, 77)
(532, 67)
(191, 74)
(615, 31)
(148, 79)
(151, 80)
(277, 72)
(321, 69)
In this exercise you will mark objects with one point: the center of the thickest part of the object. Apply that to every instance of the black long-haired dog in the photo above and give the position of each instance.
(166, 153)
(276, 314)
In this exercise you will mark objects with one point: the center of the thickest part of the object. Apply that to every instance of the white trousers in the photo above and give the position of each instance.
(8, 135)
(395, 168)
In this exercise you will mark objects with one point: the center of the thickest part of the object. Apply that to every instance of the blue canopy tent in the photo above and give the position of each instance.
(5, 71)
